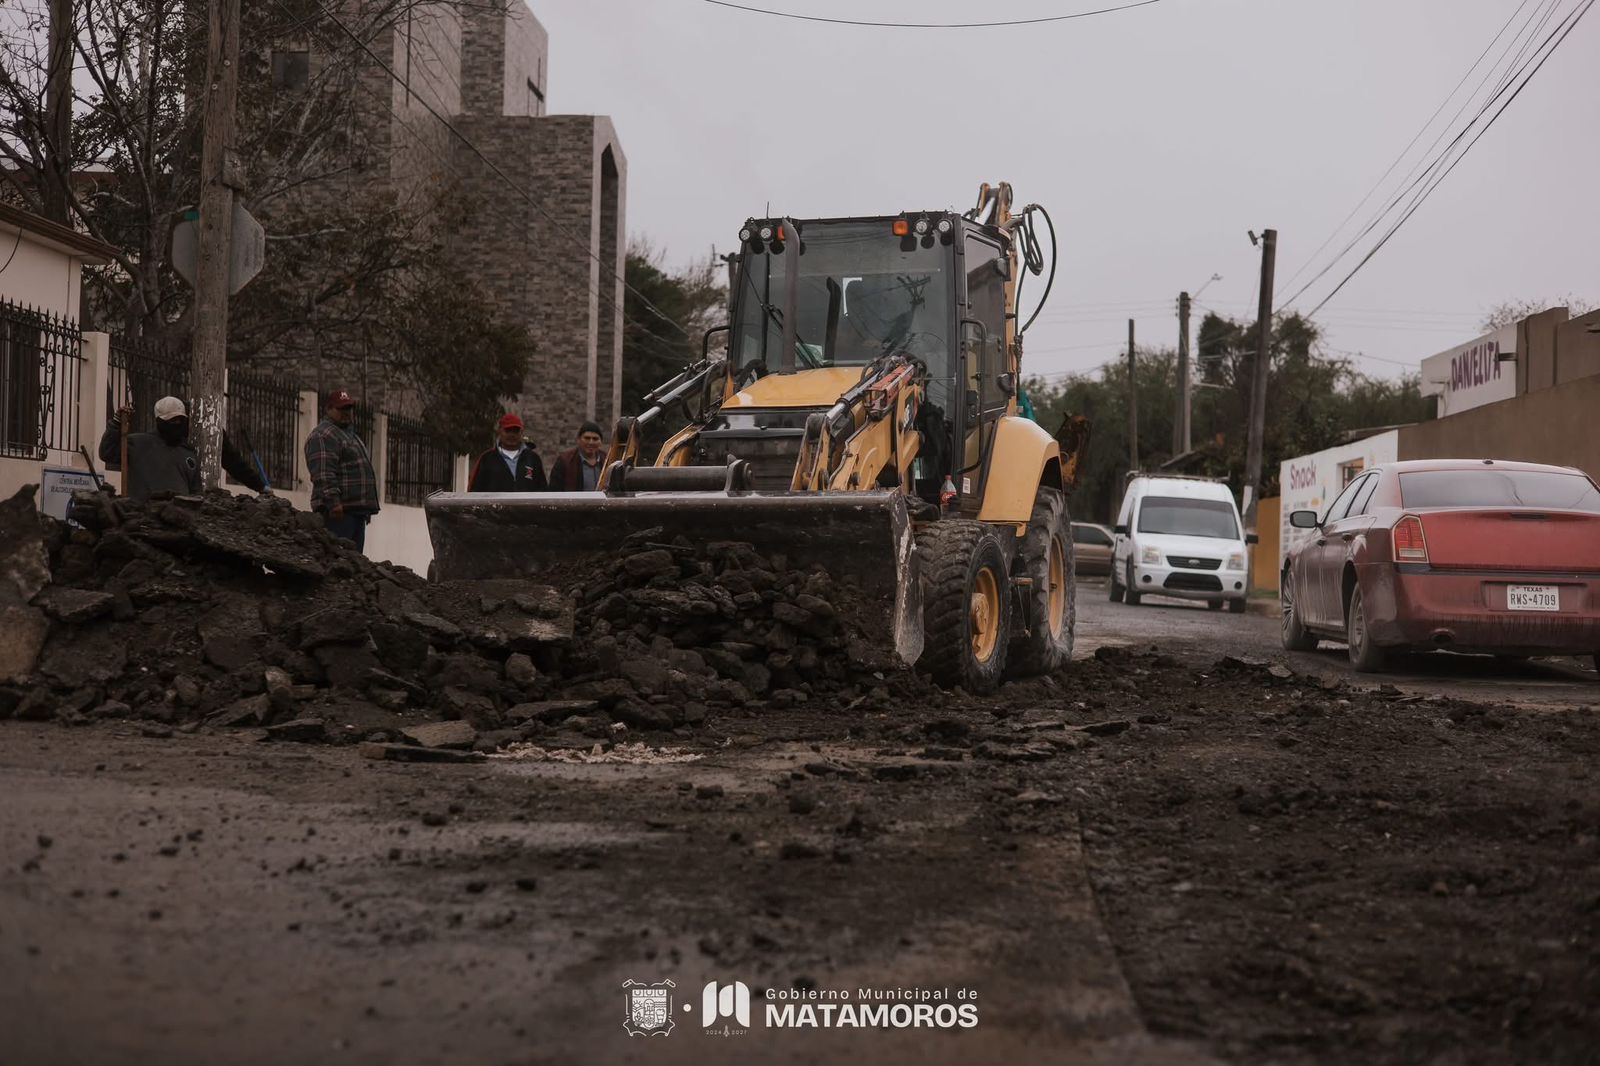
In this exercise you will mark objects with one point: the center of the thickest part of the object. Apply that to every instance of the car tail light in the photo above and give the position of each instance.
(1409, 545)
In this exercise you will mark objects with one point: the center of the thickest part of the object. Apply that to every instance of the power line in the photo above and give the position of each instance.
(1404, 151)
(1557, 36)
(932, 25)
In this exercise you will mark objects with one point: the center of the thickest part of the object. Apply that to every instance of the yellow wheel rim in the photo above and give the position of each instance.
(985, 615)
(1058, 588)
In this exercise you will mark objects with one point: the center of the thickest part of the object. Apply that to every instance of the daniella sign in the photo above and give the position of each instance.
(1473, 374)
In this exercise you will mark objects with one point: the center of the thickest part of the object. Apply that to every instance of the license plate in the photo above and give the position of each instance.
(1532, 598)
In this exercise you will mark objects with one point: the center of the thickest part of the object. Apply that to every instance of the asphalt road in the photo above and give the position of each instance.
(1196, 634)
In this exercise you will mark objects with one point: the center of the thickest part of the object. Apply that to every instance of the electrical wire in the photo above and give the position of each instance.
(932, 25)
(1404, 151)
(1558, 36)
(1431, 175)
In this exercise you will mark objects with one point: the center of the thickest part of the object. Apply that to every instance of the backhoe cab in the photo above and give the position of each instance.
(864, 419)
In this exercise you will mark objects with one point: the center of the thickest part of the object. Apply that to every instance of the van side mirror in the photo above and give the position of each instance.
(1252, 538)
(1121, 531)
(1303, 519)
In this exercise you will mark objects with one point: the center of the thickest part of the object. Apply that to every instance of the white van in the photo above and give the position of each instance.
(1181, 537)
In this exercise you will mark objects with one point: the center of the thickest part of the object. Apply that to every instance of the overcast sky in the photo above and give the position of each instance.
(1155, 137)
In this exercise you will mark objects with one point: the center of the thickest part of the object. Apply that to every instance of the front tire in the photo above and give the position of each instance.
(1046, 554)
(1365, 656)
(1114, 589)
(1296, 637)
(966, 605)
(1236, 606)
(1129, 594)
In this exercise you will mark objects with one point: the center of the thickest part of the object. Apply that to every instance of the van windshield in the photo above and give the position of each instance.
(1188, 518)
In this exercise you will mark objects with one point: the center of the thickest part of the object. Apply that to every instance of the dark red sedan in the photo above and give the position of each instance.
(1477, 555)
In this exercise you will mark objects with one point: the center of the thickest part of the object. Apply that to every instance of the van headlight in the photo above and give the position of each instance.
(1151, 557)
(1236, 561)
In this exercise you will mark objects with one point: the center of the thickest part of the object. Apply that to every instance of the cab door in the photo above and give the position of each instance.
(984, 396)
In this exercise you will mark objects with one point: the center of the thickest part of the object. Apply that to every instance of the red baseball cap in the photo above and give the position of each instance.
(340, 398)
(509, 421)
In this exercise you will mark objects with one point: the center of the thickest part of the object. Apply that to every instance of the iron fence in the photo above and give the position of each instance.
(41, 363)
(142, 372)
(418, 463)
(264, 419)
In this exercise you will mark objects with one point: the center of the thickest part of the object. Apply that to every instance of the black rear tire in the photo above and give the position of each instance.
(957, 553)
(1365, 656)
(1048, 646)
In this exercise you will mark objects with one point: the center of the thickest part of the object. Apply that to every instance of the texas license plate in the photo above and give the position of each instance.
(1532, 598)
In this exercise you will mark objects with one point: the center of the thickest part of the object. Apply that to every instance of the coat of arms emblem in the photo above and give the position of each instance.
(649, 1007)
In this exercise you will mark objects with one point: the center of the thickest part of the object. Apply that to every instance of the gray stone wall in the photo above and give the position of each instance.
(546, 246)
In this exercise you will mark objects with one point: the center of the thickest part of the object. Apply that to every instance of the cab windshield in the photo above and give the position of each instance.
(863, 292)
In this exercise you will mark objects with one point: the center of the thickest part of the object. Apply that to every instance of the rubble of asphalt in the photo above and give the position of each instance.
(222, 611)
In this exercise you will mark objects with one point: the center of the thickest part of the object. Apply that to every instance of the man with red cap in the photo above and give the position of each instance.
(511, 465)
(344, 486)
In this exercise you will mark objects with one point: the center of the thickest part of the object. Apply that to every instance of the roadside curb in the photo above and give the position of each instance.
(1264, 606)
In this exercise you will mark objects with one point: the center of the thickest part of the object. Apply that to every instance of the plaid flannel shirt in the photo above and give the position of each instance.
(341, 470)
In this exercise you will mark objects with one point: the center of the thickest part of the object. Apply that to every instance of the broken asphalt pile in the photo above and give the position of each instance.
(225, 611)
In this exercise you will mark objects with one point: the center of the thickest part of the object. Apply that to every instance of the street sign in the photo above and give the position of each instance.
(247, 254)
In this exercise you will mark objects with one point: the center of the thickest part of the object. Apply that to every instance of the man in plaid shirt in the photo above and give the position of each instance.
(344, 487)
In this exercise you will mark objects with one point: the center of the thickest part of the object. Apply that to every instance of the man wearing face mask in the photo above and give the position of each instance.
(165, 461)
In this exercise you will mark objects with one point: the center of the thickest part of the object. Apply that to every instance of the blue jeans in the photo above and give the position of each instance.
(352, 527)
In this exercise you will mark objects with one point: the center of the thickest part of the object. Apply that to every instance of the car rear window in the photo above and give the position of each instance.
(1499, 488)
(1188, 517)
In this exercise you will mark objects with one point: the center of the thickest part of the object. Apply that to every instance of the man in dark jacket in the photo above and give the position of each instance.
(578, 469)
(511, 465)
(344, 486)
(165, 461)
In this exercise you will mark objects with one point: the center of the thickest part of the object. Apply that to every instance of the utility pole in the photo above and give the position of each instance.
(58, 115)
(218, 177)
(1181, 437)
(1258, 385)
(1133, 407)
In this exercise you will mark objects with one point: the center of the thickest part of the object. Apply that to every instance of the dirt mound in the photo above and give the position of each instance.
(234, 611)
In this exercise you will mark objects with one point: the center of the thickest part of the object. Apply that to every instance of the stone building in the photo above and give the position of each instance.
(544, 230)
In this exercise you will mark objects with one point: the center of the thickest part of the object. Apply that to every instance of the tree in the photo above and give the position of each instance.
(1511, 312)
(653, 350)
(1314, 402)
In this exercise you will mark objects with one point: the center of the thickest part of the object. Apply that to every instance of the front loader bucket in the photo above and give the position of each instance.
(860, 537)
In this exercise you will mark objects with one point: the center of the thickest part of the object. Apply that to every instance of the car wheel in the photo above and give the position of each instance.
(1128, 593)
(1597, 662)
(1236, 606)
(1365, 656)
(1213, 605)
(1114, 589)
(1295, 635)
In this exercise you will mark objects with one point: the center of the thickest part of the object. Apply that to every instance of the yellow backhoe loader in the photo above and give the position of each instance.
(864, 418)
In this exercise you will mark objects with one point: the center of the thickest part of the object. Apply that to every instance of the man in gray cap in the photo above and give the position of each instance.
(165, 461)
